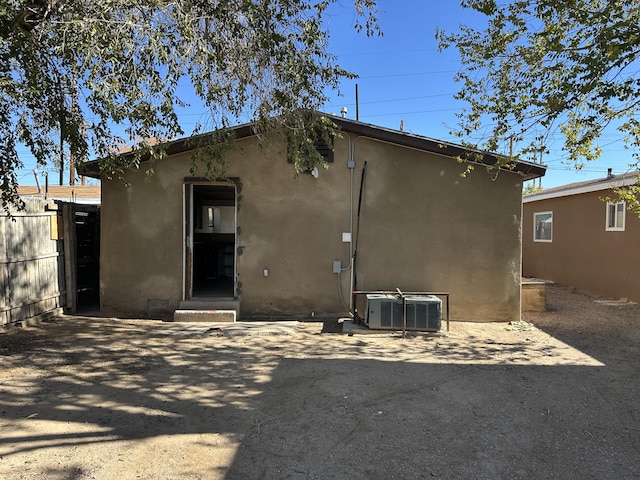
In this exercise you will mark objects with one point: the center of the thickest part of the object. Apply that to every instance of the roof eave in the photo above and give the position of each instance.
(529, 171)
(591, 186)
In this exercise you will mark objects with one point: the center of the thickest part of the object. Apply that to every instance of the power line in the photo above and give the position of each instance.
(388, 52)
(395, 99)
(392, 75)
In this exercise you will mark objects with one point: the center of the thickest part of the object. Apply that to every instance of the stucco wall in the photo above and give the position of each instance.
(582, 253)
(422, 227)
(141, 255)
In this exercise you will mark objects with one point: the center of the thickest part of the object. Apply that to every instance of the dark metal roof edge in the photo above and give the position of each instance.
(529, 170)
(174, 147)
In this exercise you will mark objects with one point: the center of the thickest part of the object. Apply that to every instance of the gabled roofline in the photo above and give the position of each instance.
(528, 170)
(589, 186)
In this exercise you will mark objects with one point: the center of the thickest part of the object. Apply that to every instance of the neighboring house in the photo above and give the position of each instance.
(282, 245)
(571, 236)
(85, 194)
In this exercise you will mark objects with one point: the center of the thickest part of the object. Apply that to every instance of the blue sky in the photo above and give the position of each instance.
(403, 77)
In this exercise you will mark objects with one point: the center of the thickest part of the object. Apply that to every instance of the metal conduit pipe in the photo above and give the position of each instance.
(351, 165)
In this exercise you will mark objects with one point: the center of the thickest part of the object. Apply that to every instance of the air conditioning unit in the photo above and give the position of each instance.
(424, 312)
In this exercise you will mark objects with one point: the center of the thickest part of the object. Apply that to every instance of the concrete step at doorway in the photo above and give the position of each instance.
(214, 309)
(211, 303)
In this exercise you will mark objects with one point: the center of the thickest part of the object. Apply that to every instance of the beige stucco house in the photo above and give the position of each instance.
(572, 236)
(282, 245)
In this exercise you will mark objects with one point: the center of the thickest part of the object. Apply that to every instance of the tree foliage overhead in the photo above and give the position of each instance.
(547, 66)
(89, 77)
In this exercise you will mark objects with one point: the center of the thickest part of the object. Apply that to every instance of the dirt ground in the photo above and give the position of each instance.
(95, 398)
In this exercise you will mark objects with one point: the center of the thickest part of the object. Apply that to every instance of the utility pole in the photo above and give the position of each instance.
(35, 174)
(540, 178)
(357, 105)
(72, 169)
(84, 131)
(72, 156)
(61, 152)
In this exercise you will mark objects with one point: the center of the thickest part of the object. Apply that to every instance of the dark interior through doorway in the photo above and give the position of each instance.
(87, 245)
(214, 237)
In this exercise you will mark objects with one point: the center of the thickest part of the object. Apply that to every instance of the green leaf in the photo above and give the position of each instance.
(542, 66)
(94, 77)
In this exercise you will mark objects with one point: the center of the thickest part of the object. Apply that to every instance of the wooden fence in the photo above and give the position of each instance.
(32, 262)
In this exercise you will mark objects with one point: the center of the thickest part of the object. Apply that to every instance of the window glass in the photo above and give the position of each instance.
(543, 227)
(615, 216)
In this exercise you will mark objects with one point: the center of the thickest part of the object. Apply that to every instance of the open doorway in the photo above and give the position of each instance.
(211, 241)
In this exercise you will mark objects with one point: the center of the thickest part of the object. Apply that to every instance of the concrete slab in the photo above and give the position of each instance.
(236, 329)
(219, 316)
(351, 328)
(255, 328)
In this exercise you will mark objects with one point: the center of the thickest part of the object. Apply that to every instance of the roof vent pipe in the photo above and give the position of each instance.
(343, 112)
(610, 174)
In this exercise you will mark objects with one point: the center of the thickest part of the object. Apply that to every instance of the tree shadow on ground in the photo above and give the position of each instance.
(371, 419)
(93, 382)
(308, 406)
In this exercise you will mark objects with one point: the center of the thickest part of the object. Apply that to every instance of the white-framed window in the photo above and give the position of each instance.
(615, 216)
(543, 226)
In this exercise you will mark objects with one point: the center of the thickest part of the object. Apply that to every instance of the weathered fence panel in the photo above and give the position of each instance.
(32, 268)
